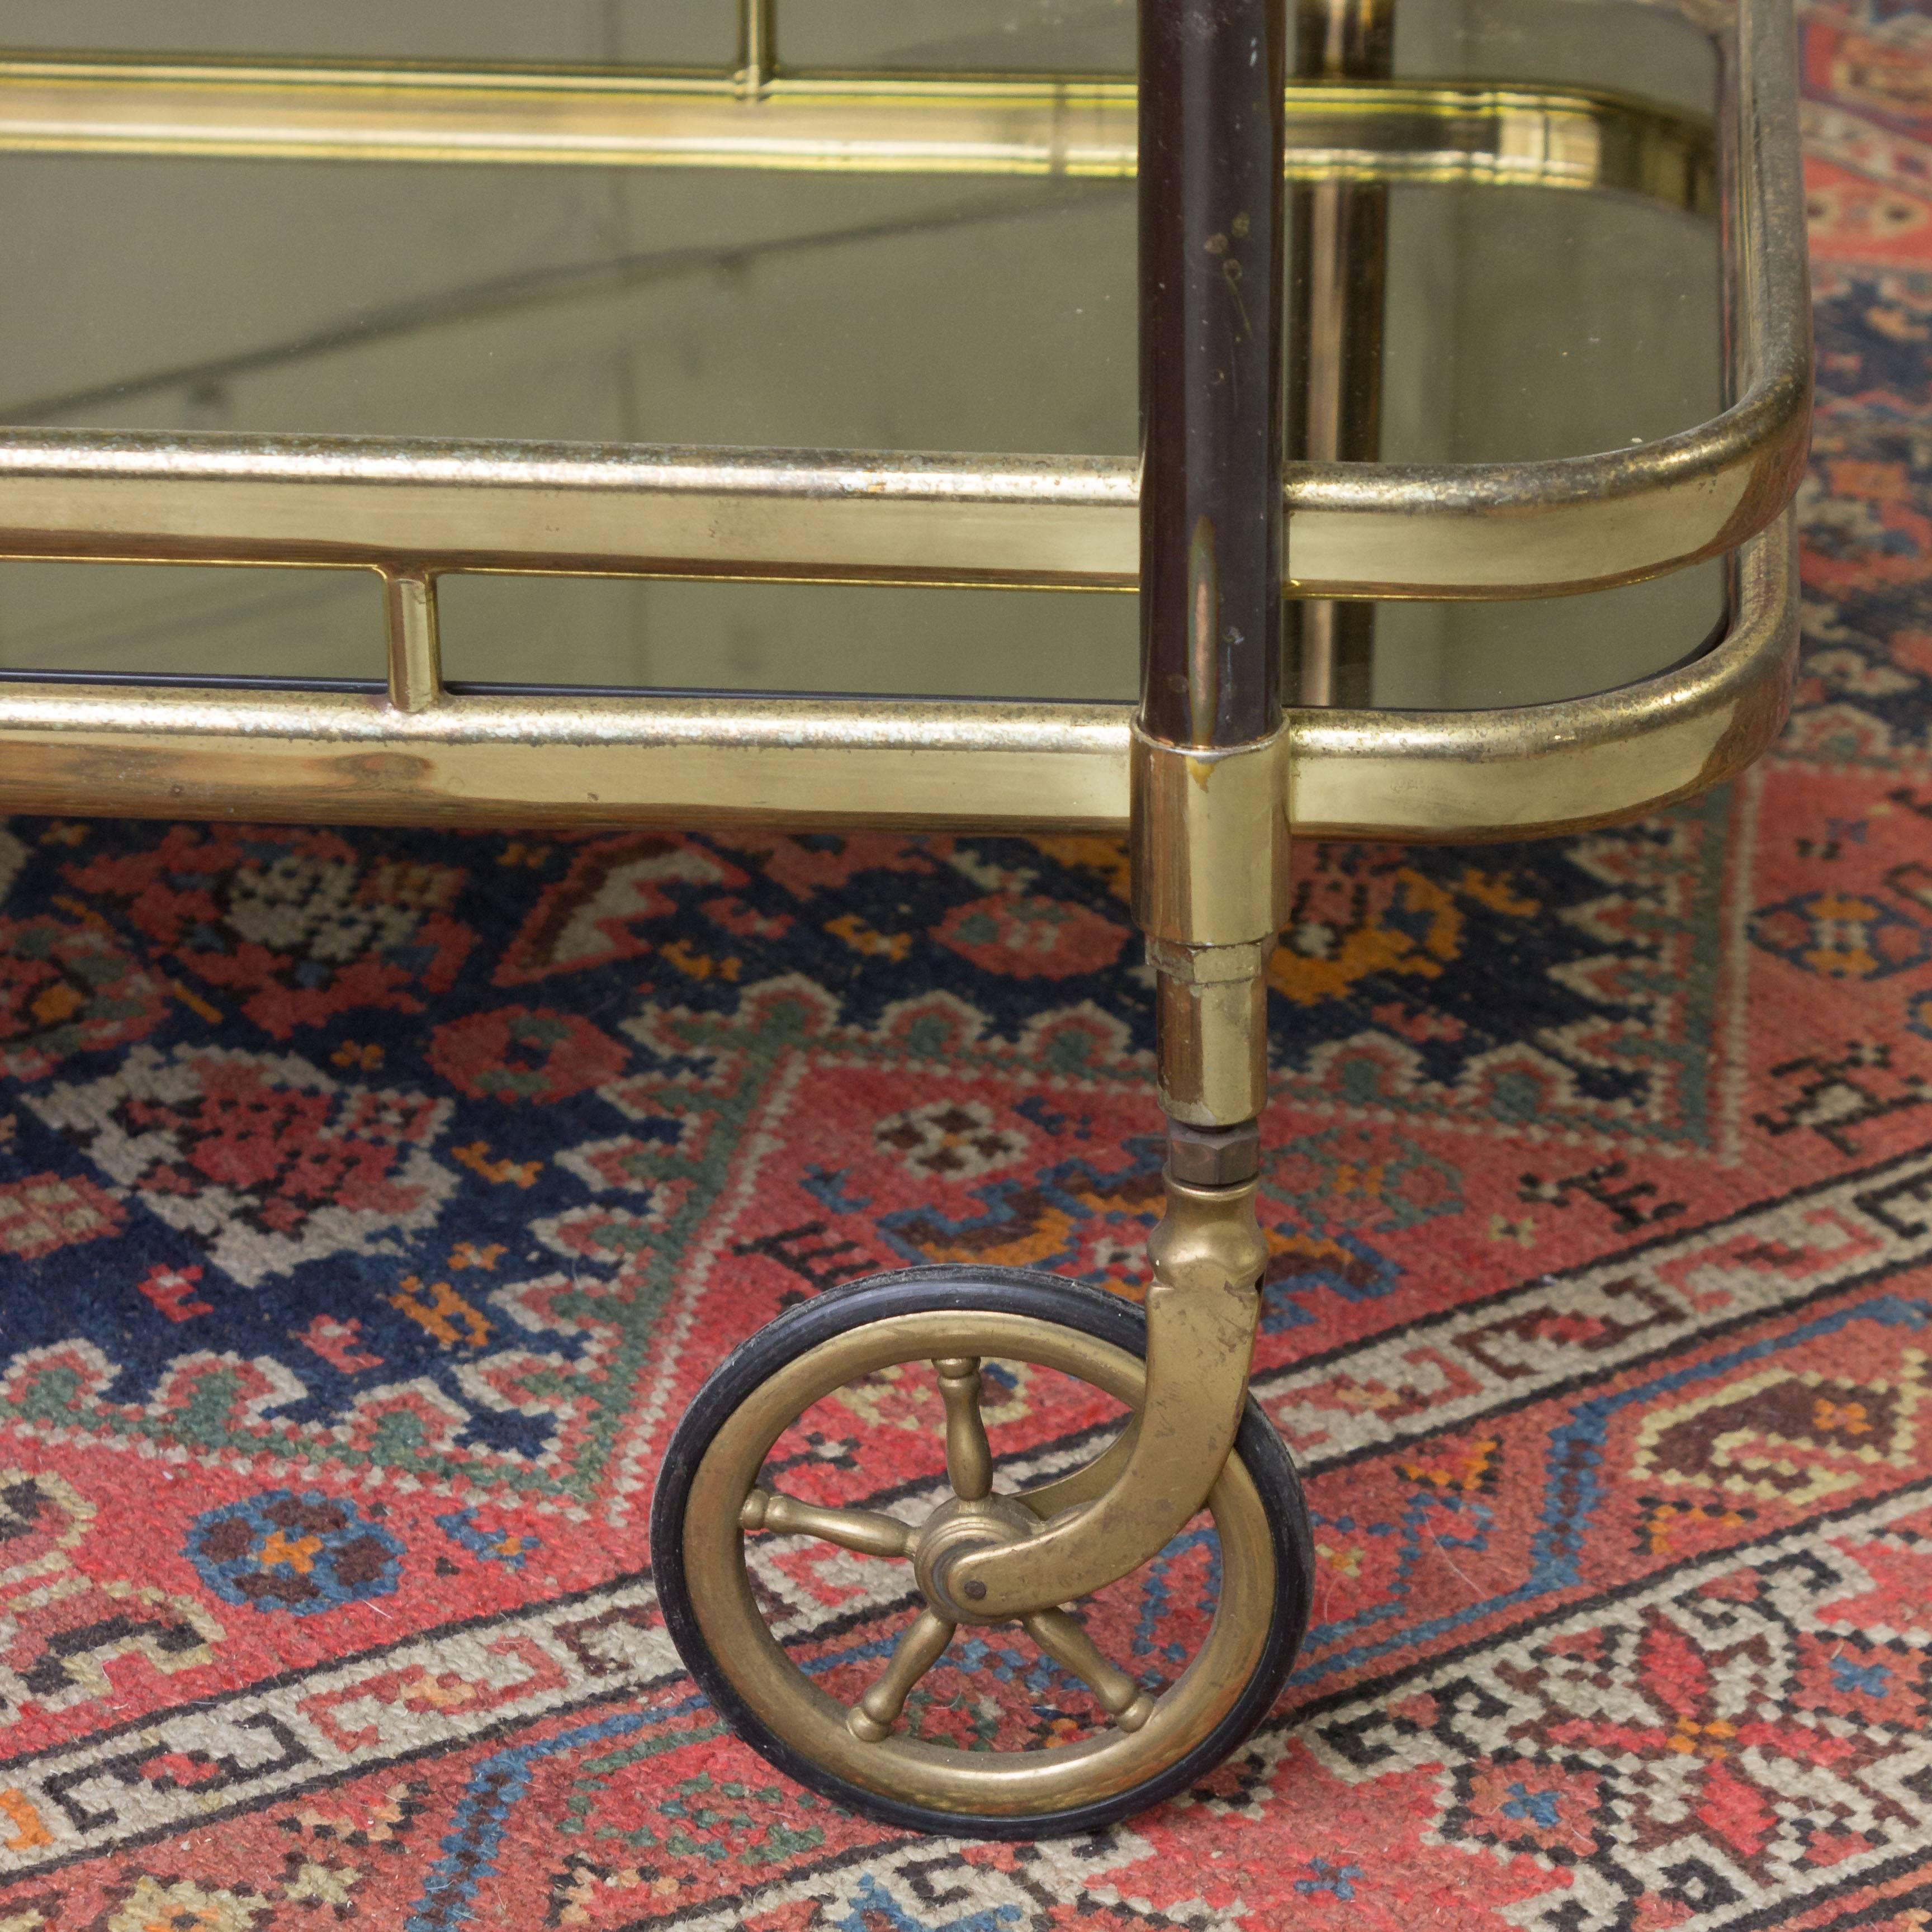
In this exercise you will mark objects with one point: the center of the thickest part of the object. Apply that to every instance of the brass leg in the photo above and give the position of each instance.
(1209, 824)
(1210, 832)
(1207, 1254)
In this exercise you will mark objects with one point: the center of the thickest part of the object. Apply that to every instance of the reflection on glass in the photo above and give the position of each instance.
(909, 312)
(736, 307)
(825, 637)
(1650, 50)
(1605, 43)
(118, 619)
(1458, 657)
(122, 620)
(691, 32)
(959, 36)
(932, 313)
(1522, 323)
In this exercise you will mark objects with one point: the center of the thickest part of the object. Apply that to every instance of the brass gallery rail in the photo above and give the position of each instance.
(1549, 136)
(412, 511)
(338, 757)
(1484, 530)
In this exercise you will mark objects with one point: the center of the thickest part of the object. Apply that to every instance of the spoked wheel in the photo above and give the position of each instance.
(1149, 1732)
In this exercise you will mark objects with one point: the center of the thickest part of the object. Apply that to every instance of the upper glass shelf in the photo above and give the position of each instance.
(1590, 43)
(886, 309)
(676, 307)
(1546, 275)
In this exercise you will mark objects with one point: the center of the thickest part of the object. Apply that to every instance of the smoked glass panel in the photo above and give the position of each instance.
(855, 311)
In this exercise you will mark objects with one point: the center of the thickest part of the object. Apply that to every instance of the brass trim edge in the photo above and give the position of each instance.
(1063, 125)
(332, 757)
(1207, 1254)
(1540, 770)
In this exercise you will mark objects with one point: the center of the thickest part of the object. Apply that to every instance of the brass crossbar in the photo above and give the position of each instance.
(934, 124)
(345, 758)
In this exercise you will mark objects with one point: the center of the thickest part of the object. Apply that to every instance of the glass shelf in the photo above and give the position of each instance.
(865, 311)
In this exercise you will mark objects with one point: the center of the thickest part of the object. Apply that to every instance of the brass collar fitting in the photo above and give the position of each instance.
(1210, 845)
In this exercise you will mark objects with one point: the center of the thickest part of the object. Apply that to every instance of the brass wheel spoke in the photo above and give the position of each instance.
(969, 1461)
(873, 1717)
(865, 1734)
(1073, 1650)
(868, 1531)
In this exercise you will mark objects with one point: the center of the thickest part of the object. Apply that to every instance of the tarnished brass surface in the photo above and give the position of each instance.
(1080, 126)
(1083, 1484)
(865, 1530)
(416, 650)
(1207, 1253)
(1211, 1041)
(342, 757)
(335, 757)
(872, 1719)
(956, 1529)
(969, 1462)
(1484, 530)
(1210, 1031)
(1218, 820)
(1073, 1649)
(1142, 1740)
(1214, 1157)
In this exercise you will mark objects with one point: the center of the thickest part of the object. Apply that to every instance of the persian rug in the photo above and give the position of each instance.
(371, 1203)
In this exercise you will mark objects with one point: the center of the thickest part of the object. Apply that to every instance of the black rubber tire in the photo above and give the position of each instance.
(1045, 1297)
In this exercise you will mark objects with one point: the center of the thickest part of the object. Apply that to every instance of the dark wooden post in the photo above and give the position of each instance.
(1212, 77)
(1211, 843)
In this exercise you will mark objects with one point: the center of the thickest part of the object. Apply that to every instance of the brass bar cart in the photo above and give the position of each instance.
(1266, 146)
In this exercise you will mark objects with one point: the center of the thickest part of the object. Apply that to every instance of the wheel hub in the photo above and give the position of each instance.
(955, 1529)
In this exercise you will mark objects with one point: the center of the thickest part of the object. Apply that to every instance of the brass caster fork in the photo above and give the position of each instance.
(1209, 850)
(1149, 1736)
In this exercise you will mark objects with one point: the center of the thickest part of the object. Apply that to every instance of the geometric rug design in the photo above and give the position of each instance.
(372, 1202)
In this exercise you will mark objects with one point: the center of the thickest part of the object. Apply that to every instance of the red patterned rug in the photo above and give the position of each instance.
(371, 1203)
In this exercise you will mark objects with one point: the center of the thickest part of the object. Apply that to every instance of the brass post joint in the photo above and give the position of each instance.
(1210, 842)
(1210, 845)
(1208, 1240)
(1209, 965)
(1207, 1253)
(1211, 1045)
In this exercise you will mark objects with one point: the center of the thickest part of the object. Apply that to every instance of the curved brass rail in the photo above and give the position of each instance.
(1537, 770)
(1493, 530)
(1483, 531)
(344, 757)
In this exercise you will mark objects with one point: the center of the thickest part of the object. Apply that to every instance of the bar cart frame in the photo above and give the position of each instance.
(412, 511)
(1214, 777)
